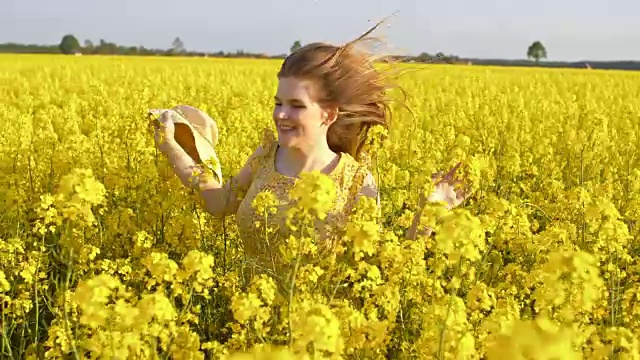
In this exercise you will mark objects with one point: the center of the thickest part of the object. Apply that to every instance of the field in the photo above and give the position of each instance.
(104, 254)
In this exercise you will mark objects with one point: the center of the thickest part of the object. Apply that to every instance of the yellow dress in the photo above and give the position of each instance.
(261, 249)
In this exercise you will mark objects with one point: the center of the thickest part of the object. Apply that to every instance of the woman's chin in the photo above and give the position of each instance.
(286, 139)
(285, 144)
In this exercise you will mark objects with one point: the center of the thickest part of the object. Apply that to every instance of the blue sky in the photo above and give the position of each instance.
(570, 29)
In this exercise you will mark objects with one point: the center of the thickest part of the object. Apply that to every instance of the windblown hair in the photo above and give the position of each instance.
(344, 78)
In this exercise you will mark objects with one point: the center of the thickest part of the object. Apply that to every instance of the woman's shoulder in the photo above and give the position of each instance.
(357, 180)
(269, 138)
(356, 174)
(354, 167)
(257, 162)
(264, 150)
(268, 142)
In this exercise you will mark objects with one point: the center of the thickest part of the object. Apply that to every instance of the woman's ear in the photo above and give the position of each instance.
(329, 116)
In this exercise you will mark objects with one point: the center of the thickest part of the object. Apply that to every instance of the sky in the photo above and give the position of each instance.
(571, 30)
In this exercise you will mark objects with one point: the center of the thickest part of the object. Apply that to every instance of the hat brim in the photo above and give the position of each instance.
(200, 119)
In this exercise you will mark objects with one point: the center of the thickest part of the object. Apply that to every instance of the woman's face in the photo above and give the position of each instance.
(301, 122)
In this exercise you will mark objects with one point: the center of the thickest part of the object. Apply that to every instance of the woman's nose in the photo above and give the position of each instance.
(282, 114)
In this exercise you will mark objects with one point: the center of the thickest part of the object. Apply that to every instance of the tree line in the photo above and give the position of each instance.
(69, 44)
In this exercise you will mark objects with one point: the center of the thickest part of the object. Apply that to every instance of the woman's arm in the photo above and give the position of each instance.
(413, 230)
(370, 189)
(219, 199)
(444, 192)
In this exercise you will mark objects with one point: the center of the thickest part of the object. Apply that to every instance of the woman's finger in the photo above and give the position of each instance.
(163, 118)
(163, 115)
(154, 124)
(156, 112)
(452, 171)
(464, 193)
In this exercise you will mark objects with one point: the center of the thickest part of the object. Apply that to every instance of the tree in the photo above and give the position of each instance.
(537, 51)
(424, 57)
(296, 46)
(178, 45)
(69, 44)
(88, 46)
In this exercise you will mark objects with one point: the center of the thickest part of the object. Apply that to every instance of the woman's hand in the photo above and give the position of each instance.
(447, 189)
(164, 128)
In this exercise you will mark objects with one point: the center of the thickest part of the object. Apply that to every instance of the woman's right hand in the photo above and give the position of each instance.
(164, 128)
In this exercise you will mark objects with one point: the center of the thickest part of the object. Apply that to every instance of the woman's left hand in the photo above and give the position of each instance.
(449, 190)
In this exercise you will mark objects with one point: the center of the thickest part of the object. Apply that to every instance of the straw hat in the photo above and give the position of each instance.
(196, 132)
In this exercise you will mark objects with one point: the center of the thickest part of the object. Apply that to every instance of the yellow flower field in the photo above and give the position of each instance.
(103, 253)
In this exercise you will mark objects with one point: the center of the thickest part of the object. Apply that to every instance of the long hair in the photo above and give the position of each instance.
(345, 78)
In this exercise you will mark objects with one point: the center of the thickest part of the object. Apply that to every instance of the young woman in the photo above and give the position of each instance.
(327, 99)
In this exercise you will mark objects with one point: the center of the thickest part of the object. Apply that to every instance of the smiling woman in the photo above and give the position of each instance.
(328, 97)
(302, 126)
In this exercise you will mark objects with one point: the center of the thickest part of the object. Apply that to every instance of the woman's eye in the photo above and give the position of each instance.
(295, 105)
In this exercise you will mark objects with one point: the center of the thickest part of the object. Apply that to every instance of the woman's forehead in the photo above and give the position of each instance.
(293, 88)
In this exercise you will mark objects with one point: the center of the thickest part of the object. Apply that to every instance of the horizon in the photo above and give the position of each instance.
(572, 31)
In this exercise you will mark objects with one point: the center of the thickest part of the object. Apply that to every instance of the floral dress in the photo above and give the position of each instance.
(261, 247)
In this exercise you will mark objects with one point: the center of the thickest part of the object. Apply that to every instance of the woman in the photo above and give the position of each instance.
(327, 99)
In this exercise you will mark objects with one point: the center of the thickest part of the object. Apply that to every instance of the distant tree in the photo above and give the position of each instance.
(424, 57)
(178, 45)
(537, 51)
(88, 46)
(296, 46)
(69, 44)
